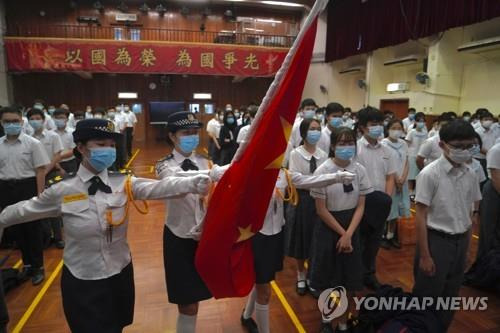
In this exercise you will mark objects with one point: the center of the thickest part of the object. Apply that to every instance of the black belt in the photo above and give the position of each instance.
(446, 235)
(17, 181)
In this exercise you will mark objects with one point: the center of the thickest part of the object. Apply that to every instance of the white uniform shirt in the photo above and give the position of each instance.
(119, 123)
(407, 123)
(20, 158)
(295, 138)
(488, 137)
(51, 142)
(49, 123)
(182, 214)
(131, 118)
(88, 115)
(415, 139)
(433, 132)
(493, 158)
(325, 140)
(27, 129)
(349, 123)
(213, 127)
(430, 149)
(449, 193)
(71, 121)
(478, 170)
(334, 195)
(300, 160)
(379, 161)
(400, 149)
(242, 134)
(88, 254)
(66, 137)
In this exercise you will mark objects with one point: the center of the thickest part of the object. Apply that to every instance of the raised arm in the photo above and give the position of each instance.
(169, 187)
(308, 182)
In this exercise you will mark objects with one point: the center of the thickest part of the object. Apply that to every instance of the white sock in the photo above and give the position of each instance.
(250, 304)
(301, 276)
(343, 326)
(390, 235)
(262, 316)
(186, 324)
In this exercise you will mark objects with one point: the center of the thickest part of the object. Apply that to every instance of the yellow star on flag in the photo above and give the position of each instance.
(245, 233)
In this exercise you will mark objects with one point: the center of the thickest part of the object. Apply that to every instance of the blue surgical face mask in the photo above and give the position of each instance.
(230, 120)
(345, 152)
(375, 131)
(188, 143)
(420, 124)
(38, 106)
(475, 150)
(51, 111)
(309, 114)
(336, 122)
(60, 123)
(36, 124)
(12, 128)
(102, 158)
(313, 136)
(411, 116)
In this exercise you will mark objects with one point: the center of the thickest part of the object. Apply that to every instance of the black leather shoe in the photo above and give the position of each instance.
(249, 324)
(25, 273)
(326, 328)
(38, 277)
(59, 244)
(301, 287)
(371, 283)
(385, 244)
(314, 292)
(395, 243)
(338, 330)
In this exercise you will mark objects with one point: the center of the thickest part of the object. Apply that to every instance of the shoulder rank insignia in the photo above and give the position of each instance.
(166, 158)
(58, 179)
(121, 172)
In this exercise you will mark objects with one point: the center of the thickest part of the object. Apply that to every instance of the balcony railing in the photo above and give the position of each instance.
(148, 34)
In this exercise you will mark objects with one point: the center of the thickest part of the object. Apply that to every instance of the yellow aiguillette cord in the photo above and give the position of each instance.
(291, 191)
(130, 198)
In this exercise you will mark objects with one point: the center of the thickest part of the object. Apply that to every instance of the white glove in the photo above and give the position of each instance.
(217, 172)
(195, 232)
(343, 177)
(200, 184)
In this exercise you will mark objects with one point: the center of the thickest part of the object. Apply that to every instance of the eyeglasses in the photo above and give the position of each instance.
(462, 146)
(11, 121)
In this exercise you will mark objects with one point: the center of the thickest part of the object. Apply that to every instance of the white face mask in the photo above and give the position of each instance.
(98, 116)
(459, 156)
(395, 134)
(487, 123)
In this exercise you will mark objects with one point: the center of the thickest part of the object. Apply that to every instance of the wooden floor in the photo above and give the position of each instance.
(154, 314)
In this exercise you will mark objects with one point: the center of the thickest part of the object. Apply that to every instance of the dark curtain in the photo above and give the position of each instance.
(355, 27)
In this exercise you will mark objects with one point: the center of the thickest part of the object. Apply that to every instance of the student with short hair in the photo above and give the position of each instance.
(381, 167)
(334, 119)
(446, 192)
(430, 149)
(336, 248)
(415, 137)
(243, 133)
(22, 176)
(304, 159)
(410, 120)
(68, 162)
(307, 110)
(489, 134)
(401, 197)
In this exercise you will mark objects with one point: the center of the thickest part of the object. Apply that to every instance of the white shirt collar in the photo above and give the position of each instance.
(307, 155)
(368, 144)
(20, 138)
(179, 158)
(85, 174)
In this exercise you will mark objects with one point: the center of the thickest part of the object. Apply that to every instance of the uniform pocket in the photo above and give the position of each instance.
(116, 205)
(75, 207)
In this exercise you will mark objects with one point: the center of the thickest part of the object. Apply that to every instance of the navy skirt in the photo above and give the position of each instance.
(267, 256)
(327, 268)
(300, 221)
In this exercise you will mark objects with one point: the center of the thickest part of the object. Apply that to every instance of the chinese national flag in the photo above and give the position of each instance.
(239, 203)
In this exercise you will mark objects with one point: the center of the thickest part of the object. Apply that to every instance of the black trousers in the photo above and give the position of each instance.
(377, 209)
(129, 138)
(27, 235)
(4, 314)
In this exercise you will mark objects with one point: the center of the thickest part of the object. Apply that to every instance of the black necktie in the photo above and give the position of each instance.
(188, 165)
(97, 184)
(312, 164)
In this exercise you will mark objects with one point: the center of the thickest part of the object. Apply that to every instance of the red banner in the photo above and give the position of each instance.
(81, 55)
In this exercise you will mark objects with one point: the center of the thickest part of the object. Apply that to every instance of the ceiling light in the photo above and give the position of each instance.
(127, 95)
(256, 30)
(279, 3)
(202, 96)
(268, 21)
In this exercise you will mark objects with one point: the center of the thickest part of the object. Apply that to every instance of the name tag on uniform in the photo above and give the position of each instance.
(75, 197)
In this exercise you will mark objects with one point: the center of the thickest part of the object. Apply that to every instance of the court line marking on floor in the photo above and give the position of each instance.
(132, 158)
(37, 299)
(288, 308)
(18, 264)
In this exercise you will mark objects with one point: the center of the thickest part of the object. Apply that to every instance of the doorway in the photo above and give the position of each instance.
(398, 106)
(205, 111)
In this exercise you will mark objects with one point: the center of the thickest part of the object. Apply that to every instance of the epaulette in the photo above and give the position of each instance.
(58, 179)
(121, 172)
(166, 158)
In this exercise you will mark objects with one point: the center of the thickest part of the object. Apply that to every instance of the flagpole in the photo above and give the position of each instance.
(318, 7)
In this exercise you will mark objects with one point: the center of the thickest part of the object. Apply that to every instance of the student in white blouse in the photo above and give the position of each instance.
(97, 280)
